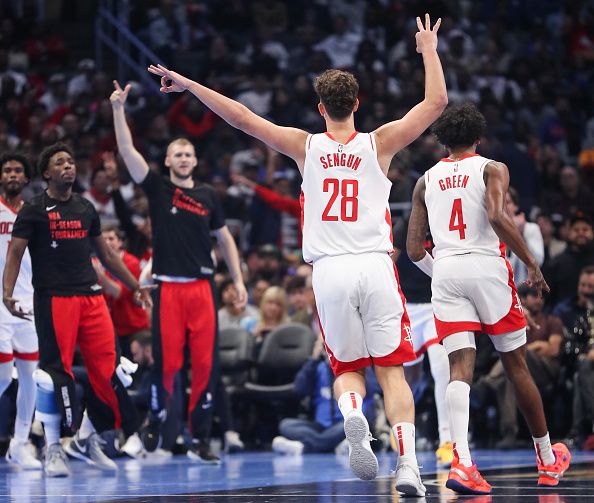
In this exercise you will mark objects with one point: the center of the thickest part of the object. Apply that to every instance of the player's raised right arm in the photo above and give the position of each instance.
(497, 182)
(135, 163)
(394, 136)
(288, 141)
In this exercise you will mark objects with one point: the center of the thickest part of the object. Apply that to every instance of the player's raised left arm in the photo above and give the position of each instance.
(14, 257)
(231, 255)
(418, 226)
(394, 136)
(287, 140)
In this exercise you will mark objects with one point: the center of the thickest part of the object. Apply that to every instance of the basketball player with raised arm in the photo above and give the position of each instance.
(461, 200)
(346, 235)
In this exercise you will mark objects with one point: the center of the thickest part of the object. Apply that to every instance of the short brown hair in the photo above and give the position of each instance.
(338, 91)
(184, 142)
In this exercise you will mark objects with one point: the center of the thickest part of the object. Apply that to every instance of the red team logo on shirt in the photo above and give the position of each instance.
(184, 202)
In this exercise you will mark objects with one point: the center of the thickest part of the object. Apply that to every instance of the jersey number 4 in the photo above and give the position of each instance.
(457, 220)
(349, 204)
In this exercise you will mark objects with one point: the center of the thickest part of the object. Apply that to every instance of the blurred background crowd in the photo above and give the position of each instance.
(529, 66)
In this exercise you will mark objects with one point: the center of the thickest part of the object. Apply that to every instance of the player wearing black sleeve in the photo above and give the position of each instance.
(61, 229)
(184, 214)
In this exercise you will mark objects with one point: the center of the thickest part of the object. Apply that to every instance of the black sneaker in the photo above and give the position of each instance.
(150, 435)
(200, 451)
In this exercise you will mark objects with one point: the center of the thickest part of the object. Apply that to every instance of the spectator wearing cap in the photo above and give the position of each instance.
(271, 263)
(563, 271)
(543, 343)
(81, 83)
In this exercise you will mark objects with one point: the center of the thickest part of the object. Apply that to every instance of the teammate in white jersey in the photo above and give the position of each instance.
(346, 234)
(462, 201)
(18, 338)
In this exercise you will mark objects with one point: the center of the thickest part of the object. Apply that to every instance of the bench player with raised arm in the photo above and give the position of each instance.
(346, 235)
(461, 200)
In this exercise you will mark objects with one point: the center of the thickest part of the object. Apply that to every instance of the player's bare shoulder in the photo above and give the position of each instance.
(495, 169)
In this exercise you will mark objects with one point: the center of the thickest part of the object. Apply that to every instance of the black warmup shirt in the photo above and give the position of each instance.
(59, 234)
(182, 220)
(415, 284)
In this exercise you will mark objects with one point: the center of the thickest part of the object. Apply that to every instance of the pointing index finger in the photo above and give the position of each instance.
(117, 85)
(437, 25)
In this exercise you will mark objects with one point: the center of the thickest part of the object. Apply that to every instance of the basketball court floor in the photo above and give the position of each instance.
(266, 477)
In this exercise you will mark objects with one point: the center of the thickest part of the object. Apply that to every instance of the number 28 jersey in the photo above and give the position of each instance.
(344, 198)
(457, 209)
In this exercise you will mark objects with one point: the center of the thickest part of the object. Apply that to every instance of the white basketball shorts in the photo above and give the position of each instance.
(422, 324)
(475, 293)
(18, 340)
(361, 309)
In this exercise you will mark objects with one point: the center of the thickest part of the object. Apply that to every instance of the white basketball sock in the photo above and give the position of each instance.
(86, 427)
(404, 433)
(25, 401)
(440, 370)
(544, 450)
(5, 376)
(458, 403)
(348, 401)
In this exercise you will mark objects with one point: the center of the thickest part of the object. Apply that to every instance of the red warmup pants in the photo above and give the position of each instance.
(183, 314)
(64, 322)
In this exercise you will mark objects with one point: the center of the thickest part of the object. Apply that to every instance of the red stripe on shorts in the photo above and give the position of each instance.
(31, 357)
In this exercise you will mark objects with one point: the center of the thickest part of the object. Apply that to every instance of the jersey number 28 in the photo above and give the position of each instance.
(457, 220)
(349, 204)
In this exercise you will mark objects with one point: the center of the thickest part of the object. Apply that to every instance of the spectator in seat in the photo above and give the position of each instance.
(257, 290)
(273, 313)
(303, 302)
(129, 319)
(563, 271)
(230, 314)
(577, 315)
(324, 431)
(100, 196)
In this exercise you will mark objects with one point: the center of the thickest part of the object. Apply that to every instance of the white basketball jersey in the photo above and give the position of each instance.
(457, 209)
(344, 198)
(23, 290)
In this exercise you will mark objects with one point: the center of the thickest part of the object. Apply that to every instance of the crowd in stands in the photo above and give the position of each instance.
(528, 65)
